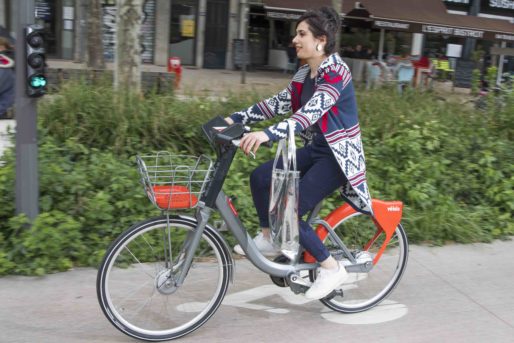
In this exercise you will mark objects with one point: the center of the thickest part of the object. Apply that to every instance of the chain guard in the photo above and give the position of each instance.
(280, 281)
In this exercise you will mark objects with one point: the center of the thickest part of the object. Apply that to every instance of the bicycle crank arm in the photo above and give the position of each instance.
(298, 284)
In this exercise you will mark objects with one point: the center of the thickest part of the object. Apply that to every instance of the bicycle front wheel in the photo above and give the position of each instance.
(136, 284)
(362, 291)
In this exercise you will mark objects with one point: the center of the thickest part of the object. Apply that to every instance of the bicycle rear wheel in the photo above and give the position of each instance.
(362, 291)
(136, 281)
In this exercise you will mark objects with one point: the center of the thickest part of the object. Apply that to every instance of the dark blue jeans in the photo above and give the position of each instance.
(320, 175)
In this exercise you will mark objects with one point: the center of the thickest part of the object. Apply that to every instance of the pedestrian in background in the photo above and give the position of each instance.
(6, 77)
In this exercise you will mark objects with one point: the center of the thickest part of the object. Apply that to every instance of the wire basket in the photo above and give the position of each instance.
(174, 181)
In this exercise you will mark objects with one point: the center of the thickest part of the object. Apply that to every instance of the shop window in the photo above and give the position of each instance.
(359, 42)
(282, 37)
(183, 29)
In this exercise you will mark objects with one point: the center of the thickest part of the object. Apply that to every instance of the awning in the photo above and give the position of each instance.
(293, 9)
(421, 16)
(429, 16)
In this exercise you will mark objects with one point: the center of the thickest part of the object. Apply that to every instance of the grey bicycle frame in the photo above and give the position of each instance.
(249, 247)
(233, 223)
(217, 200)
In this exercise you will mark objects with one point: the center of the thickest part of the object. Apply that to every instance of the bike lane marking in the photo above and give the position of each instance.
(386, 311)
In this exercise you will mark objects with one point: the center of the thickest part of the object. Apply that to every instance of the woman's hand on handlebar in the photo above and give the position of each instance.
(229, 120)
(252, 141)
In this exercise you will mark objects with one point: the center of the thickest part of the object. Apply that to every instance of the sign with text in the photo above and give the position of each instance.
(451, 31)
(382, 24)
(464, 74)
(238, 53)
(507, 4)
(187, 25)
(283, 15)
(496, 7)
(458, 1)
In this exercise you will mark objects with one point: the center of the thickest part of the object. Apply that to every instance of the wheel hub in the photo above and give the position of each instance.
(165, 282)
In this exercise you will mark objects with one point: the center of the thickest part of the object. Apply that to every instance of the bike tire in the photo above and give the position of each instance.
(362, 291)
(132, 280)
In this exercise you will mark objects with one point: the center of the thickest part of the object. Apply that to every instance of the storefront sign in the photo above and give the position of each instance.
(507, 4)
(283, 15)
(504, 8)
(391, 25)
(502, 36)
(452, 31)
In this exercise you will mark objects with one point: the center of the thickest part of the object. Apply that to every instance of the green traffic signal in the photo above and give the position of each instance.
(35, 61)
(38, 81)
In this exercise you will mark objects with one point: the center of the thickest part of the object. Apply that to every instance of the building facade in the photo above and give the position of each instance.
(200, 32)
(208, 33)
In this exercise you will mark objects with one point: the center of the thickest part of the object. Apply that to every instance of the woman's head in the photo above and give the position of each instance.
(316, 33)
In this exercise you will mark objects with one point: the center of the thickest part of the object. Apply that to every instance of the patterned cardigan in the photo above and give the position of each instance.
(333, 107)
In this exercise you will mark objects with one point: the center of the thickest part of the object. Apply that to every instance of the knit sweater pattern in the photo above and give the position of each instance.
(333, 107)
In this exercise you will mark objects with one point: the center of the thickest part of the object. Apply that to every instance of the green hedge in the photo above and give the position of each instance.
(452, 166)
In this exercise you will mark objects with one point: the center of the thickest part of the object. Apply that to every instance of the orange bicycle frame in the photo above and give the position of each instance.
(386, 216)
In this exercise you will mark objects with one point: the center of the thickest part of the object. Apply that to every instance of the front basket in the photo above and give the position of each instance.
(174, 181)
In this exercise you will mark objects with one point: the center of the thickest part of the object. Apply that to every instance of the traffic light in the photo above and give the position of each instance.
(35, 55)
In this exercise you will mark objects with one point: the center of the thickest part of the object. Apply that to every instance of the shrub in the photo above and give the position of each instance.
(453, 168)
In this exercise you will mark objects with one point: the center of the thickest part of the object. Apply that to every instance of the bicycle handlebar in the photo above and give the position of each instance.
(219, 132)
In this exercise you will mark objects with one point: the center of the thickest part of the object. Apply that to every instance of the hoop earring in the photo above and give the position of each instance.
(318, 48)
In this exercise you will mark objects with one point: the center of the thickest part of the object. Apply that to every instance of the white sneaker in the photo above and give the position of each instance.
(263, 244)
(326, 282)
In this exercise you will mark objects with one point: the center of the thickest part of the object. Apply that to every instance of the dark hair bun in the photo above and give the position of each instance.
(333, 19)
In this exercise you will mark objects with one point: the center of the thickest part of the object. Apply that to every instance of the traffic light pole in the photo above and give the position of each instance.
(27, 183)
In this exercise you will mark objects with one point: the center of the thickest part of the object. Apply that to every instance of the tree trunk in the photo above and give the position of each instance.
(127, 71)
(338, 6)
(95, 51)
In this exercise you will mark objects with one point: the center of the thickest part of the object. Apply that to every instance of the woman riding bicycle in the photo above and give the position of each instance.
(322, 99)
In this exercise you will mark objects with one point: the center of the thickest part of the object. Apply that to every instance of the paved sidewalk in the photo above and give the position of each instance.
(210, 82)
(455, 293)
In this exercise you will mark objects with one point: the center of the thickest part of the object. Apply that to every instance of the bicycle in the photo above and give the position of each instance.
(166, 276)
